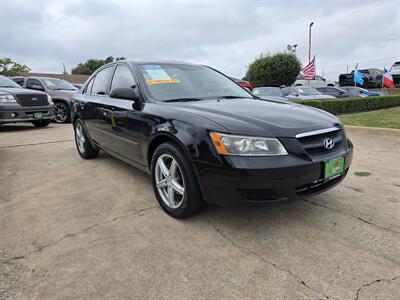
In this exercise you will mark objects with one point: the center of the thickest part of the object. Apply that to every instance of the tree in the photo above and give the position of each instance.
(91, 65)
(8, 67)
(274, 70)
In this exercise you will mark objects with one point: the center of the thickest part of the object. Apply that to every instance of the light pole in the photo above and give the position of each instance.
(309, 42)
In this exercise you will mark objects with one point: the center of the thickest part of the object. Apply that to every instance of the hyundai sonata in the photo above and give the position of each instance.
(203, 138)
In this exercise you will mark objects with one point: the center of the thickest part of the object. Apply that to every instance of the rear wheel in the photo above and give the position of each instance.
(41, 123)
(83, 145)
(174, 182)
(62, 113)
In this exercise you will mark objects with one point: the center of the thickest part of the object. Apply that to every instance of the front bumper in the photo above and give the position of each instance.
(12, 113)
(285, 178)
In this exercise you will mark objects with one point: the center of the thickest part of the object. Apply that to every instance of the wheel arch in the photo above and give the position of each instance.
(160, 139)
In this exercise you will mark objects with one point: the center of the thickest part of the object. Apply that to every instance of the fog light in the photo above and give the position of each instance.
(13, 115)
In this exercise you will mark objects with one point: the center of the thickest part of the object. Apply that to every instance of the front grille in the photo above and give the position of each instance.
(313, 145)
(32, 99)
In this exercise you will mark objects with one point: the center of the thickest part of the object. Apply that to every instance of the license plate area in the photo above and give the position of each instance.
(38, 115)
(333, 168)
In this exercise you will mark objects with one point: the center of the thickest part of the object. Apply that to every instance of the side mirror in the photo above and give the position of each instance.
(125, 94)
(36, 87)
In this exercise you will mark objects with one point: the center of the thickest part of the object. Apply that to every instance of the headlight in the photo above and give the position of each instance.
(7, 99)
(49, 99)
(227, 144)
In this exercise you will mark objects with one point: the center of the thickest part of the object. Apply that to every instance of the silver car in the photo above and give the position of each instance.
(304, 93)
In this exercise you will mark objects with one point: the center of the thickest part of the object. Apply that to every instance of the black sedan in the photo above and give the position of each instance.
(203, 138)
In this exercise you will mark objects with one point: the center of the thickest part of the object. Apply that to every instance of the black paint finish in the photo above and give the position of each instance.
(132, 130)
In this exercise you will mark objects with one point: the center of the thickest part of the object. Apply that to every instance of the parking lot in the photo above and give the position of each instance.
(91, 229)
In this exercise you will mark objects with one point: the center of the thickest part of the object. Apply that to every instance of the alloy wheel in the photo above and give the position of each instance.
(169, 181)
(60, 112)
(80, 138)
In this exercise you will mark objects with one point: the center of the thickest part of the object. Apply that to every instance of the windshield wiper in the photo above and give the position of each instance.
(233, 97)
(183, 99)
(60, 89)
(10, 86)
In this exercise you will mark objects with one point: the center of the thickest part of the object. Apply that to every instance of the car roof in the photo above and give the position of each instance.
(44, 77)
(152, 62)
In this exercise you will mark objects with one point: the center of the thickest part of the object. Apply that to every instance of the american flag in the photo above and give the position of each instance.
(309, 70)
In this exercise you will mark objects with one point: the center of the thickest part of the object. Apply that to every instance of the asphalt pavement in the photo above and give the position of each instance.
(92, 229)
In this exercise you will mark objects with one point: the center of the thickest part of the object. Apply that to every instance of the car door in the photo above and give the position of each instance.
(94, 94)
(121, 124)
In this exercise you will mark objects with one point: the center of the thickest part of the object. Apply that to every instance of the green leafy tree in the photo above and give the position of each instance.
(274, 70)
(8, 67)
(91, 65)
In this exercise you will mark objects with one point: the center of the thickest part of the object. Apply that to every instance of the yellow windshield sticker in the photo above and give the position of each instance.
(162, 81)
(49, 83)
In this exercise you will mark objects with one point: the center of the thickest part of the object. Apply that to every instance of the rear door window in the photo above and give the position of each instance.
(101, 81)
(89, 86)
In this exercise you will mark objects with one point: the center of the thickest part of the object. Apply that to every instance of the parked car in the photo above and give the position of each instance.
(78, 85)
(319, 81)
(22, 105)
(303, 93)
(243, 83)
(372, 78)
(204, 138)
(356, 91)
(60, 90)
(269, 93)
(395, 71)
(333, 91)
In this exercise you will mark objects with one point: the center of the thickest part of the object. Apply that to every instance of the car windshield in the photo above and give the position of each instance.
(271, 91)
(307, 91)
(58, 84)
(180, 82)
(8, 83)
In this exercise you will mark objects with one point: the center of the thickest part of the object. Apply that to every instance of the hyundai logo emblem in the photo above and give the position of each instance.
(329, 143)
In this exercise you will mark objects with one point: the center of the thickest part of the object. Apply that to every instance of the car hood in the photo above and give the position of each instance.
(16, 91)
(62, 94)
(273, 98)
(260, 117)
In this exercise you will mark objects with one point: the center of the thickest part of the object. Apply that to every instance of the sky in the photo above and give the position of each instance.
(226, 35)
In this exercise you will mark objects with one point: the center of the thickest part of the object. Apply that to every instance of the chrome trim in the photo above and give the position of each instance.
(316, 132)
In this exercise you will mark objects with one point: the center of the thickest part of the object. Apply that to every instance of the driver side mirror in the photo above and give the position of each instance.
(125, 94)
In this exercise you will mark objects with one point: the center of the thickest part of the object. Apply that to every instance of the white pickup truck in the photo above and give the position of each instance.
(319, 81)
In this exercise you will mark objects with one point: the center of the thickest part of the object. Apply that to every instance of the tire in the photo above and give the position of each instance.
(180, 182)
(41, 123)
(62, 113)
(82, 142)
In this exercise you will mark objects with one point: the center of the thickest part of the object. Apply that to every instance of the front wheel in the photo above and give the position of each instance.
(62, 113)
(174, 182)
(41, 123)
(83, 145)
